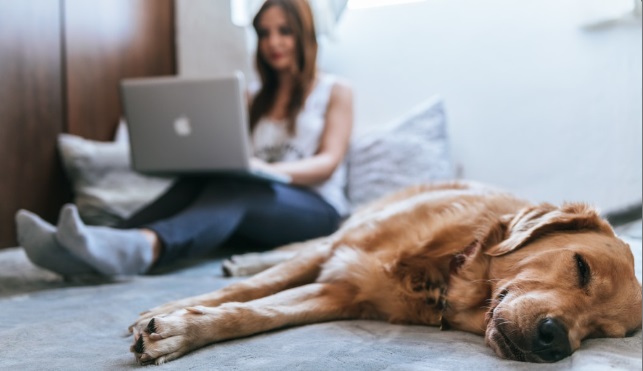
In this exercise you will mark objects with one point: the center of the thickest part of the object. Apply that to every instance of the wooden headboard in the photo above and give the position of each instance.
(60, 65)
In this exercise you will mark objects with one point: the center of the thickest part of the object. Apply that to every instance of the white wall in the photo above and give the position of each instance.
(536, 103)
(208, 44)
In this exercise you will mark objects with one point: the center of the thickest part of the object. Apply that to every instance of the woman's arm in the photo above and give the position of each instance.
(333, 145)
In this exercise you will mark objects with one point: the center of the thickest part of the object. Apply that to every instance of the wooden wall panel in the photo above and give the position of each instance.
(60, 65)
(107, 40)
(31, 112)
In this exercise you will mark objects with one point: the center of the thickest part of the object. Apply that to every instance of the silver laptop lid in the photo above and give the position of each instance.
(187, 125)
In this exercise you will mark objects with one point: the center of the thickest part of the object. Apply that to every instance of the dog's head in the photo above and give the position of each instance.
(559, 275)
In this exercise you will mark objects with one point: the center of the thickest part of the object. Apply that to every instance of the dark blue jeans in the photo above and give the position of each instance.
(197, 215)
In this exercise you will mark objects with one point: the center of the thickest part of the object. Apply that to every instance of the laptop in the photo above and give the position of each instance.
(181, 126)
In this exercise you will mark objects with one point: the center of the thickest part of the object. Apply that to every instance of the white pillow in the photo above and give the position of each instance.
(413, 149)
(106, 189)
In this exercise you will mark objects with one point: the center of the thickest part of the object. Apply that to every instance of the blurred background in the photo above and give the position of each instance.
(543, 98)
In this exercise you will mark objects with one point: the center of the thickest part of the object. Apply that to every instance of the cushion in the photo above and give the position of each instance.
(106, 189)
(412, 149)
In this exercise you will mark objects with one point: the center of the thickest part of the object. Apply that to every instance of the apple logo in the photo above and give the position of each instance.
(182, 126)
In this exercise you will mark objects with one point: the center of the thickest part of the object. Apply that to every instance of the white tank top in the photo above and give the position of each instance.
(272, 143)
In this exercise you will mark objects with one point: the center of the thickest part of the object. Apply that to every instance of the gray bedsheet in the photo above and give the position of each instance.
(49, 324)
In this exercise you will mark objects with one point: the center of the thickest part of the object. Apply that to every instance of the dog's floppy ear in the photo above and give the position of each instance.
(536, 221)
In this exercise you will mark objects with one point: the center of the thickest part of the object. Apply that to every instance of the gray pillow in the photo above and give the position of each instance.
(106, 189)
(413, 149)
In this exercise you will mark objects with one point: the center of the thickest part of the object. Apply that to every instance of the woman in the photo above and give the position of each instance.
(301, 122)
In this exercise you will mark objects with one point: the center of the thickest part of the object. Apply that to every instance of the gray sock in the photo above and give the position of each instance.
(111, 251)
(38, 238)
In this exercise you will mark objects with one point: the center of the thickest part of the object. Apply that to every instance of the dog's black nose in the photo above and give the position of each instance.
(551, 342)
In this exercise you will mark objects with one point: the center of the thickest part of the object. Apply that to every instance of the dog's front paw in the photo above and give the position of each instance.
(161, 311)
(168, 337)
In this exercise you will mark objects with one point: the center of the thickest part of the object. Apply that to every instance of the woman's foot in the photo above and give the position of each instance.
(38, 238)
(110, 251)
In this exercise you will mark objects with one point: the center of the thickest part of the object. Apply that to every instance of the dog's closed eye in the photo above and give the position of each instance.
(584, 273)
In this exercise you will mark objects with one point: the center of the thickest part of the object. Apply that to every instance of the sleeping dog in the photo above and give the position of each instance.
(534, 280)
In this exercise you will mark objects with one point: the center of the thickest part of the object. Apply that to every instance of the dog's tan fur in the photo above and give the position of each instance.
(458, 255)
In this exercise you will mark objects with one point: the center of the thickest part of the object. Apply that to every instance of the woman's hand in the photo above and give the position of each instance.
(261, 166)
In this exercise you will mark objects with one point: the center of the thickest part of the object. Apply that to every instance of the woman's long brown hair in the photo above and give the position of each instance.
(300, 19)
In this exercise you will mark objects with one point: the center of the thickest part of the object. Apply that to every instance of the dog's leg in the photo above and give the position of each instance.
(168, 337)
(253, 263)
(301, 269)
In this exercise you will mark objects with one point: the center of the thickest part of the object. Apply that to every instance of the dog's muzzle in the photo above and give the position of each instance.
(549, 342)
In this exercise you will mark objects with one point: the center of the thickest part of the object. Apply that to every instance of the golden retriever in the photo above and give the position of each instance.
(535, 280)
